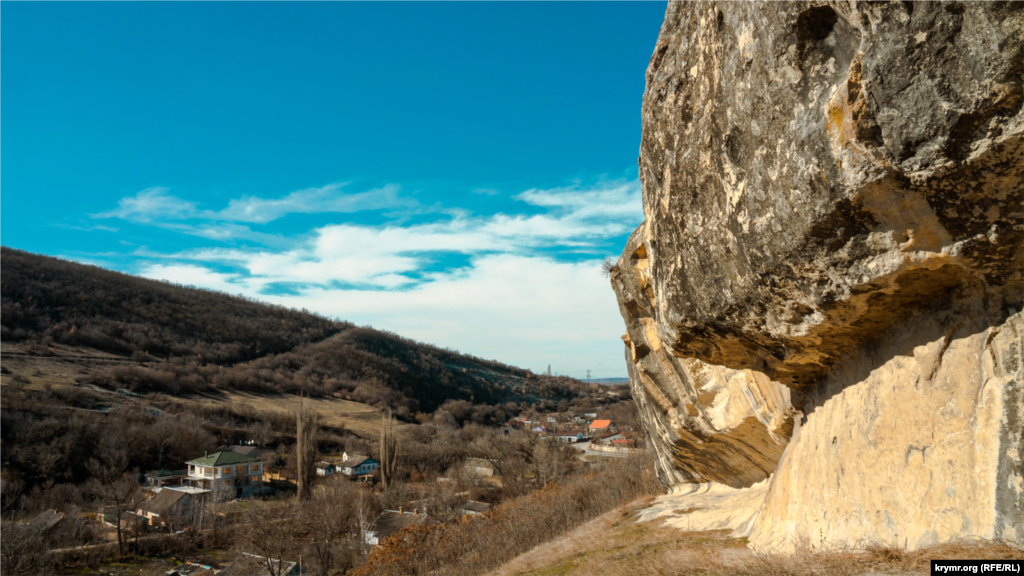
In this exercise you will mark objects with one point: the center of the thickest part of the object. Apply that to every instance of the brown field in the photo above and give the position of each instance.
(59, 366)
(361, 419)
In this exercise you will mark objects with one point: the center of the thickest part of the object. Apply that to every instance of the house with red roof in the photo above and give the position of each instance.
(603, 426)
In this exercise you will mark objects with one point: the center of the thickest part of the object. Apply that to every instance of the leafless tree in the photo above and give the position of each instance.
(388, 451)
(11, 487)
(113, 484)
(307, 423)
(20, 552)
(268, 537)
(330, 522)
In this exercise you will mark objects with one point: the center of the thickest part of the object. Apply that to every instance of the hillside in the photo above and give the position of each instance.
(183, 340)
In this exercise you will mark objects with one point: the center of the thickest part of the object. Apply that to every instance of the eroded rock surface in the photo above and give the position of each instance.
(834, 244)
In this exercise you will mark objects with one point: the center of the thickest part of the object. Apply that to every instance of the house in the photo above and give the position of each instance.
(473, 508)
(391, 521)
(591, 415)
(44, 522)
(247, 450)
(552, 419)
(226, 470)
(577, 419)
(356, 465)
(164, 477)
(540, 429)
(516, 424)
(324, 468)
(570, 437)
(507, 430)
(607, 439)
(623, 443)
(164, 506)
(603, 426)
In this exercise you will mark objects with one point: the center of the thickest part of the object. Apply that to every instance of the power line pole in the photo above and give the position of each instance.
(588, 376)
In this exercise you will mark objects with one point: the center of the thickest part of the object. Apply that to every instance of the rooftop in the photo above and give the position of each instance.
(391, 521)
(163, 502)
(222, 459)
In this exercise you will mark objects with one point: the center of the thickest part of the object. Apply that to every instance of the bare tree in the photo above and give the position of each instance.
(328, 518)
(11, 487)
(307, 423)
(113, 484)
(20, 552)
(268, 537)
(388, 451)
(363, 513)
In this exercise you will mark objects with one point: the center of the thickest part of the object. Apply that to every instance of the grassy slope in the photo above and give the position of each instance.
(616, 545)
(251, 347)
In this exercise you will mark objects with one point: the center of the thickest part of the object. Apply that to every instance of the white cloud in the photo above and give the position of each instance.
(156, 205)
(522, 310)
(314, 200)
(514, 298)
(150, 205)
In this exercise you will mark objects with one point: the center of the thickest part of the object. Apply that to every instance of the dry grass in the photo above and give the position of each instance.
(362, 419)
(615, 545)
(65, 367)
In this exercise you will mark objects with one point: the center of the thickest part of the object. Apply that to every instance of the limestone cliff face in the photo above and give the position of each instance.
(827, 285)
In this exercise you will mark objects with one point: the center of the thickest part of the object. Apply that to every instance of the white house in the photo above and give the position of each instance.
(356, 465)
(324, 468)
(222, 471)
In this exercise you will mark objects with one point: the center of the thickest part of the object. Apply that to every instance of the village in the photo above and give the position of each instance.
(215, 490)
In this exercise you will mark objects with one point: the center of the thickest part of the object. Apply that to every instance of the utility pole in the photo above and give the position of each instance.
(588, 376)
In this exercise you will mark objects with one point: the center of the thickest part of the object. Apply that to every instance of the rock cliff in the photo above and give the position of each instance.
(826, 289)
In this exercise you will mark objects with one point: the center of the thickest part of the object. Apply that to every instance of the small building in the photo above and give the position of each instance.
(507, 430)
(43, 522)
(603, 426)
(552, 419)
(356, 465)
(164, 477)
(391, 521)
(607, 439)
(570, 437)
(164, 506)
(623, 443)
(591, 415)
(541, 429)
(324, 468)
(473, 508)
(516, 424)
(226, 470)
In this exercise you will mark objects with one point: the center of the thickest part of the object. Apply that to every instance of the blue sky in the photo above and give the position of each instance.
(453, 172)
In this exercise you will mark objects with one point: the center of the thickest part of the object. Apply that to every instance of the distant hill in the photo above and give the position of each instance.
(610, 381)
(188, 340)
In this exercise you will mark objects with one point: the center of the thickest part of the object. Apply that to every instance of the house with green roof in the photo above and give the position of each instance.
(223, 471)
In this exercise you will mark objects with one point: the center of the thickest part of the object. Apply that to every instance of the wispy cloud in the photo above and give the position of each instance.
(150, 205)
(157, 205)
(534, 272)
(312, 201)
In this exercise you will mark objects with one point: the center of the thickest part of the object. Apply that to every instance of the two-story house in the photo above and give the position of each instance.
(226, 471)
